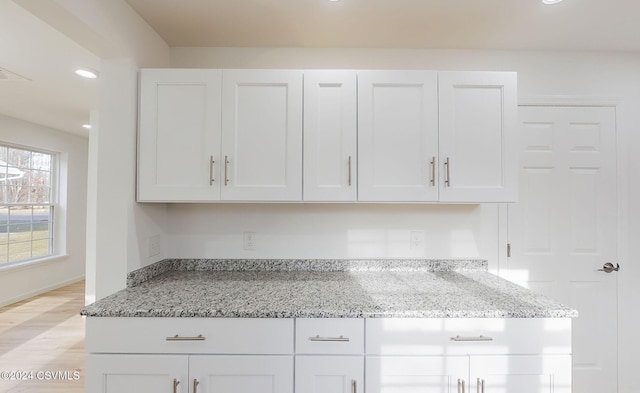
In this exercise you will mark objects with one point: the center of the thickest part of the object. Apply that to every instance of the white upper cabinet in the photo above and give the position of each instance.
(478, 136)
(397, 136)
(437, 136)
(370, 136)
(262, 135)
(179, 135)
(330, 139)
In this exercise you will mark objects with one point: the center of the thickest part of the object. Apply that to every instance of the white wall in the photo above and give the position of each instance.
(214, 231)
(22, 282)
(331, 231)
(118, 228)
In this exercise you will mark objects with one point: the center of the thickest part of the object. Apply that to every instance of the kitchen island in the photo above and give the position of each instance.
(377, 326)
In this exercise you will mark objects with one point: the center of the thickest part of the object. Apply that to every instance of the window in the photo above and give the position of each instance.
(26, 204)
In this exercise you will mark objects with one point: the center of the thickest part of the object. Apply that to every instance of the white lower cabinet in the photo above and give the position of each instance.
(241, 374)
(522, 374)
(181, 374)
(136, 373)
(329, 374)
(417, 374)
(325, 355)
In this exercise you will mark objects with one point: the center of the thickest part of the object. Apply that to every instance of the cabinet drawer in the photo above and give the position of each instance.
(460, 336)
(190, 335)
(329, 336)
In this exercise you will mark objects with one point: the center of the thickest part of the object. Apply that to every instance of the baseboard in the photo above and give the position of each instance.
(6, 302)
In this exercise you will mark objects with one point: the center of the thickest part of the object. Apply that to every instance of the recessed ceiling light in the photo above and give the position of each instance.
(548, 2)
(87, 73)
(87, 126)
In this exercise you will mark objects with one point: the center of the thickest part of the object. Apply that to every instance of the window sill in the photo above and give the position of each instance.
(13, 266)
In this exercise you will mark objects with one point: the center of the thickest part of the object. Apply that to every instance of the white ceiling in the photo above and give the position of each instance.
(592, 25)
(55, 97)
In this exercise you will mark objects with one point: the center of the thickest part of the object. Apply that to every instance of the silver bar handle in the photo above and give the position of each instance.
(480, 386)
(211, 179)
(354, 387)
(199, 337)
(338, 339)
(195, 385)
(447, 179)
(433, 171)
(471, 338)
(175, 385)
(226, 164)
(461, 387)
(349, 170)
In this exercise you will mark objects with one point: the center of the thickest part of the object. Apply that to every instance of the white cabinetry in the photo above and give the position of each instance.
(478, 136)
(411, 374)
(437, 136)
(222, 355)
(330, 136)
(443, 355)
(329, 374)
(262, 135)
(179, 135)
(397, 136)
(371, 136)
(211, 135)
(241, 374)
(522, 374)
(329, 355)
(136, 373)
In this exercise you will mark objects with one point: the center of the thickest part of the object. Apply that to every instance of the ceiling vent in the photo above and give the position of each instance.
(6, 75)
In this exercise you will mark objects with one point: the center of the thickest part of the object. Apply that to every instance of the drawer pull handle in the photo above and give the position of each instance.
(175, 385)
(473, 338)
(480, 386)
(354, 386)
(339, 339)
(200, 337)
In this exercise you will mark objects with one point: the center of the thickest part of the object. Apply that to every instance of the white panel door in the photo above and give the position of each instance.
(241, 374)
(564, 227)
(397, 136)
(478, 136)
(262, 135)
(136, 373)
(521, 374)
(417, 374)
(330, 150)
(329, 374)
(179, 135)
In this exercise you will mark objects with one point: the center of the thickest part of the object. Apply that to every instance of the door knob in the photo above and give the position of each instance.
(608, 267)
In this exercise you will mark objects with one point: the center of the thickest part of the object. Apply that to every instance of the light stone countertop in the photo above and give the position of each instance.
(207, 289)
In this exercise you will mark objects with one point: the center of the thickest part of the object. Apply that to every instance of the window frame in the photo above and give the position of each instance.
(54, 228)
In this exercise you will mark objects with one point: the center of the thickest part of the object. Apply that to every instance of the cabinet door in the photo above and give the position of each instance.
(330, 158)
(478, 136)
(262, 135)
(136, 373)
(179, 135)
(522, 374)
(329, 374)
(241, 374)
(397, 135)
(417, 374)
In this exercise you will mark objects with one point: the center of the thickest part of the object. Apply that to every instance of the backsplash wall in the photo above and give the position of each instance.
(291, 230)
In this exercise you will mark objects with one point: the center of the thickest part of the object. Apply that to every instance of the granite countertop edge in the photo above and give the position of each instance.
(225, 288)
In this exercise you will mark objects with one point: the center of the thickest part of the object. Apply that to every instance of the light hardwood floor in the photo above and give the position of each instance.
(44, 334)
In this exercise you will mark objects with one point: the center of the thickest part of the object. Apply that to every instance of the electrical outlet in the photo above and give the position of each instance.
(416, 240)
(154, 245)
(250, 241)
